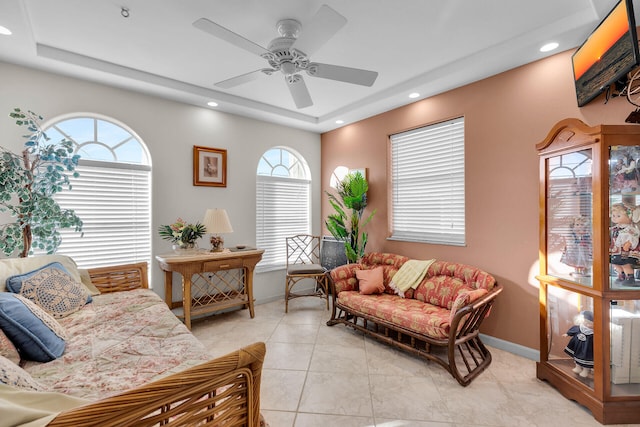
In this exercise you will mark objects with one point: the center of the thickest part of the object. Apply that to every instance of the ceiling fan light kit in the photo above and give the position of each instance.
(289, 54)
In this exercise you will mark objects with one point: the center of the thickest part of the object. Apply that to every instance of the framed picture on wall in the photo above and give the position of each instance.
(209, 166)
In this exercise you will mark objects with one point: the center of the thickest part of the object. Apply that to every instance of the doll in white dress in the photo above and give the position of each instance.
(623, 244)
(578, 252)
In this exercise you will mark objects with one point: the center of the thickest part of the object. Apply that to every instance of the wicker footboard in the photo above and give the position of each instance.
(222, 392)
(463, 355)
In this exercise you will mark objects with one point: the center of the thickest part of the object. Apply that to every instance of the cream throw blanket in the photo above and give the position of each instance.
(410, 275)
(33, 408)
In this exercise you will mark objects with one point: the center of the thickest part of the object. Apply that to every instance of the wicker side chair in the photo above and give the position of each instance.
(303, 263)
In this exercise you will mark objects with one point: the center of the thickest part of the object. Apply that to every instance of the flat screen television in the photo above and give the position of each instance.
(608, 54)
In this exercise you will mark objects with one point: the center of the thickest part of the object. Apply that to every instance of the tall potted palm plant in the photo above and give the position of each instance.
(28, 182)
(346, 223)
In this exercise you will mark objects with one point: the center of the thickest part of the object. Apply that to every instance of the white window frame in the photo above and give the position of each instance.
(283, 207)
(427, 184)
(109, 237)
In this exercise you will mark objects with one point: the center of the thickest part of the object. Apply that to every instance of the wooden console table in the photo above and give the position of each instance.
(211, 281)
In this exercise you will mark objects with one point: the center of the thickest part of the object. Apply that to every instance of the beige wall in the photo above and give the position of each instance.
(170, 130)
(505, 116)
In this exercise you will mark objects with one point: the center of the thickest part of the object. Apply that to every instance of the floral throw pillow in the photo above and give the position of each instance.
(14, 376)
(52, 288)
(7, 349)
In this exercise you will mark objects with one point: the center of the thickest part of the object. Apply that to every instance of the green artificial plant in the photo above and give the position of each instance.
(28, 182)
(346, 223)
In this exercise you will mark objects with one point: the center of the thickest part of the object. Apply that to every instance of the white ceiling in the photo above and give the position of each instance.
(425, 46)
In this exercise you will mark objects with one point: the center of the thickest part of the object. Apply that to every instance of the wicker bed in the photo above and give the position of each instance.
(221, 392)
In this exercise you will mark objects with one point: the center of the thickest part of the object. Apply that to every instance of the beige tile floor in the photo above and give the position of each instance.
(315, 375)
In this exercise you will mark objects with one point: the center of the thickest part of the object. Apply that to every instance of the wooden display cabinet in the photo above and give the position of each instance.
(590, 267)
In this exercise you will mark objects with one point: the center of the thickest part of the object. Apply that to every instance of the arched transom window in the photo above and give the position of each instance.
(112, 195)
(283, 203)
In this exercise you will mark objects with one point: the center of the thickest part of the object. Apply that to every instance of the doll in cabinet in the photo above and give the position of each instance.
(578, 249)
(624, 239)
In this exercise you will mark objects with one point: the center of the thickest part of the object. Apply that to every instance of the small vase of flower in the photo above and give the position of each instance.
(183, 236)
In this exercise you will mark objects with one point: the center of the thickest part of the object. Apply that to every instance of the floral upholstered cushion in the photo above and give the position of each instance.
(390, 263)
(440, 290)
(370, 281)
(382, 258)
(411, 314)
(13, 375)
(464, 298)
(7, 349)
(344, 277)
(36, 334)
(472, 276)
(52, 288)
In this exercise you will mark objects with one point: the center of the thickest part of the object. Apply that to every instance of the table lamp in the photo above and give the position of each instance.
(217, 222)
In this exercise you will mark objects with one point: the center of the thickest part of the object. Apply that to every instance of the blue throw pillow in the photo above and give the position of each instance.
(36, 334)
(52, 288)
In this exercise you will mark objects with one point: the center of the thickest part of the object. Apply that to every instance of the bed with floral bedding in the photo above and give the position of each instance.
(113, 345)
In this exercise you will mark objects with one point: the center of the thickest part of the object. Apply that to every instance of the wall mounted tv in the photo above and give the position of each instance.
(608, 54)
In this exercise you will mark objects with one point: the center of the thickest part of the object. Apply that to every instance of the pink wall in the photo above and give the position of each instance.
(505, 116)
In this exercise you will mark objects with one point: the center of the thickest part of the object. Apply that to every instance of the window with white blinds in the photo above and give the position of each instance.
(428, 184)
(115, 209)
(283, 203)
(111, 195)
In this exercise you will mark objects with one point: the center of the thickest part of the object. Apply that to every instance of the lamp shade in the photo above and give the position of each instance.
(217, 221)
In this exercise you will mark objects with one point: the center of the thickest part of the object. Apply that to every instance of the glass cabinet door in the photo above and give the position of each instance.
(625, 347)
(624, 217)
(570, 318)
(569, 217)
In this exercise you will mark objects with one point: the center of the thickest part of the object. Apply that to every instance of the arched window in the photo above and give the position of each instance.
(112, 195)
(283, 203)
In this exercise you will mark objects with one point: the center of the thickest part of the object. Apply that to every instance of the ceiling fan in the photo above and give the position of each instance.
(290, 53)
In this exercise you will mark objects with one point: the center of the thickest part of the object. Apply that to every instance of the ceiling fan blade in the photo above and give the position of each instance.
(343, 74)
(299, 91)
(229, 36)
(241, 79)
(324, 24)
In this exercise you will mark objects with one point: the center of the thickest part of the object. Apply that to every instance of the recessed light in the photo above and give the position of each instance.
(5, 31)
(212, 104)
(549, 47)
(339, 122)
(414, 95)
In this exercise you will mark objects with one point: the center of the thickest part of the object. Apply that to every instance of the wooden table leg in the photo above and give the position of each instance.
(186, 299)
(248, 285)
(168, 288)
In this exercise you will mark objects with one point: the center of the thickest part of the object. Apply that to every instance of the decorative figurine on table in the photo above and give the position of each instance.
(580, 346)
(623, 244)
(578, 250)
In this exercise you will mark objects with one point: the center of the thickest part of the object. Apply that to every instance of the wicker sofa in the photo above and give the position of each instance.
(439, 319)
(128, 361)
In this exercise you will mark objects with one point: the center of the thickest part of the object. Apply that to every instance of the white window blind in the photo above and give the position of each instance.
(282, 210)
(428, 184)
(112, 195)
(113, 200)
